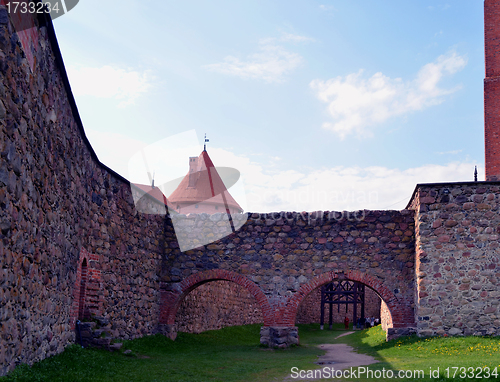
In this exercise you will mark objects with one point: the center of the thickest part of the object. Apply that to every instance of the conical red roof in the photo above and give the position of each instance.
(153, 192)
(203, 184)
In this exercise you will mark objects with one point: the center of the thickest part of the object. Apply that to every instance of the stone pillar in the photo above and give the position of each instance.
(279, 336)
(393, 333)
(168, 331)
(492, 89)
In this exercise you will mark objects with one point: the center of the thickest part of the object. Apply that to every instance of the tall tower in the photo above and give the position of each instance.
(492, 89)
(202, 190)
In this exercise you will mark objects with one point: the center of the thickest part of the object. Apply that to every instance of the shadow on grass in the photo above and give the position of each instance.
(425, 359)
(229, 354)
(234, 354)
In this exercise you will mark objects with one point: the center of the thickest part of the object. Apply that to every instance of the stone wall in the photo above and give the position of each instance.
(56, 200)
(281, 257)
(215, 305)
(59, 205)
(310, 309)
(458, 258)
(385, 316)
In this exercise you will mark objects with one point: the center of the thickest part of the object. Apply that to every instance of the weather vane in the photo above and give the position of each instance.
(205, 144)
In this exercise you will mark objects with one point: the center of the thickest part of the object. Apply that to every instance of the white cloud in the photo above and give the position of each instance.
(337, 188)
(109, 82)
(452, 152)
(270, 64)
(290, 37)
(114, 149)
(286, 38)
(356, 103)
(442, 7)
(324, 7)
(263, 189)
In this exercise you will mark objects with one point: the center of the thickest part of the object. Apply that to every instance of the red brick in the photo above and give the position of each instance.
(492, 89)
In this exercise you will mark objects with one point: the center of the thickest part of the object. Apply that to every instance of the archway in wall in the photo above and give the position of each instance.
(309, 310)
(308, 293)
(83, 288)
(172, 300)
(217, 304)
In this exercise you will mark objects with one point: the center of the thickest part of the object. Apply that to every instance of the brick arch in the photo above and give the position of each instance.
(172, 300)
(86, 289)
(83, 289)
(402, 314)
(79, 288)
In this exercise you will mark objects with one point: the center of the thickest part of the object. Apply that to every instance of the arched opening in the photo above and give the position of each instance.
(309, 310)
(395, 313)
(172, 298)
(217, 304)
(82, 313)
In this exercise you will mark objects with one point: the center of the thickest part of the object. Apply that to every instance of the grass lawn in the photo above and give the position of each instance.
(233, 354)
(413, 353)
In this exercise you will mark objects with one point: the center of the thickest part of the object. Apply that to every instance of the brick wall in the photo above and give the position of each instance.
(492, 89)
(87, 299)
(309, 309)
(492, 127)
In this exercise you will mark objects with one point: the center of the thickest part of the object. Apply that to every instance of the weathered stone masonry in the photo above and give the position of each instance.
(281, 257)
(73, 243)
(57, 202)
(215, 305)
(458, 258)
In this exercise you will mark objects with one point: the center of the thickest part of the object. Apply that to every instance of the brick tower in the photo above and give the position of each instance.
(492, 89)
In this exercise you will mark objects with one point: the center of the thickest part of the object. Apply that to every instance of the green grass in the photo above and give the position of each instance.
(413, 353)
(233, 354)
(230, 354)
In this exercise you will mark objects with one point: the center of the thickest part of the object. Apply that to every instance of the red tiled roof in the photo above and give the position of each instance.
(206, 186)
(153, 192)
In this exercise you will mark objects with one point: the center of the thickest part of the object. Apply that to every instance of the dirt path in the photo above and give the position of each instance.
(338, 356)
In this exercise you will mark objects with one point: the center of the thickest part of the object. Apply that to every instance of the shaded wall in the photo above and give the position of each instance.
(56, 200)
(215, 305)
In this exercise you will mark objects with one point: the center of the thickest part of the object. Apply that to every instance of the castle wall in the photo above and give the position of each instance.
(309, 311)
(59, 206)
(57, 200)
(457, 258)
(282, 257)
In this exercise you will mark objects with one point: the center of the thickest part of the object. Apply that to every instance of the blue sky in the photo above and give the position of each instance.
(338, 105)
